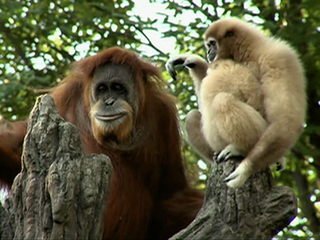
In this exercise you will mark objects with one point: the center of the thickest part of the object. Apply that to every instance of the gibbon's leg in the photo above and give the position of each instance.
(237, 123)
(195, 136)
(240, 125)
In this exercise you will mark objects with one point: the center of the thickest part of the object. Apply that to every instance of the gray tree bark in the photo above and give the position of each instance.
(61, 194)
(258, 210)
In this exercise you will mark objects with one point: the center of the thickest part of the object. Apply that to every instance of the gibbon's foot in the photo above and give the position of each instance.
(281, 164)
(278, 166)
(238, 177)
(229, 152)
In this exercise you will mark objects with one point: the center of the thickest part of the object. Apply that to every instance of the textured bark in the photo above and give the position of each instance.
(256, 211)
(61, 194)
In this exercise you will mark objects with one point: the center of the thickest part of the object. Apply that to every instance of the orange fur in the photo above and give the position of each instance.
(122, 131)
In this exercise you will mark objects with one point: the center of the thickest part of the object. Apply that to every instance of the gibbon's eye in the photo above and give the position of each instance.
(101, 88)
(211, 43)
(229, 34)
(117, 87)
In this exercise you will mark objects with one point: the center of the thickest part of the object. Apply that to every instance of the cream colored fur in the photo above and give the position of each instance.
(230, 101)
(280, 73)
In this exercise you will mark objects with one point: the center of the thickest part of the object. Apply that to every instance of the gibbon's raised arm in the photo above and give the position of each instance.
(197, 67)
(280, 73)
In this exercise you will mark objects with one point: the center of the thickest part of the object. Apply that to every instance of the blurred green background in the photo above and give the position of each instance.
(40, 39)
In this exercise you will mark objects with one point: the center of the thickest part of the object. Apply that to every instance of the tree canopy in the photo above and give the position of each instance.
(40, 39)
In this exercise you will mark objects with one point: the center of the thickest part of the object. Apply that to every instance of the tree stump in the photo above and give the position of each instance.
(258, 210)
(61, 194)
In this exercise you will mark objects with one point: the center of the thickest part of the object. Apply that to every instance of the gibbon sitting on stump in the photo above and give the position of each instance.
(232, 123)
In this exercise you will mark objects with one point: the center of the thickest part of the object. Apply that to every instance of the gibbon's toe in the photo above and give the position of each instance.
(229, 152)
(237, 182)
(281, 164)
(231, 177)
(238, 177)
(235, 157)
(280, 167)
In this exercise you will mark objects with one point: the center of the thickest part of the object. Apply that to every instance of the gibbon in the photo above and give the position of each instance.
(281, 80)
(225, 84)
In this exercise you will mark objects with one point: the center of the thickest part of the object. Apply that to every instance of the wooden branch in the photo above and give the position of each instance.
(61, 194)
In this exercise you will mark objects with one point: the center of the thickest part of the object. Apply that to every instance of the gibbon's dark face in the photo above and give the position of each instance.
(212, 49)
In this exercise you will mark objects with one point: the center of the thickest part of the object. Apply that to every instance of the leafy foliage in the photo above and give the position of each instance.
(40, 39)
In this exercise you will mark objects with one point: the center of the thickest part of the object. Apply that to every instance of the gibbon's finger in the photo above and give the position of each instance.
(170, 69)
(170, 66)
(189, 63)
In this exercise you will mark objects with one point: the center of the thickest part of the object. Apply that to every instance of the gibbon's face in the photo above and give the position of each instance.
(220, 39)
(212, 48)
